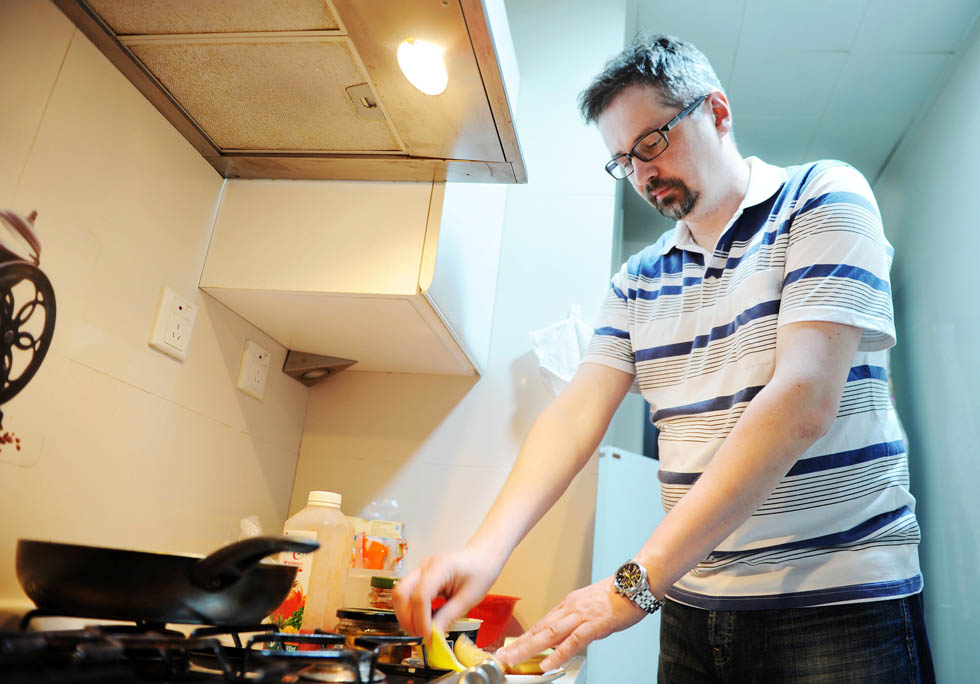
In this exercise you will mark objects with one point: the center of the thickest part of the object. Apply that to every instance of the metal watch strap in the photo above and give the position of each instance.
(645, 599)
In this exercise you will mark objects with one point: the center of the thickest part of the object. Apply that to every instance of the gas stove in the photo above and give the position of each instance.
(140, 653)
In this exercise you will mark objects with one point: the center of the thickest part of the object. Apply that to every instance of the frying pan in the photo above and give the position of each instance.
(228, 587)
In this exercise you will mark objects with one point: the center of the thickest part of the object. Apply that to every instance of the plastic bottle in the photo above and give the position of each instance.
(323, 573)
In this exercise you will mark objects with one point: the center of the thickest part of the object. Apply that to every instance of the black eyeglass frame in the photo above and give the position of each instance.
(633, 153)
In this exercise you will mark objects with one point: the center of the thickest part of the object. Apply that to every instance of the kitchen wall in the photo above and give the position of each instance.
(122, 445)
(927, 194)
(442, 446)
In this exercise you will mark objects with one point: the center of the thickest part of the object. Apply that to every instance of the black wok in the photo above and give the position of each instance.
(228, 587)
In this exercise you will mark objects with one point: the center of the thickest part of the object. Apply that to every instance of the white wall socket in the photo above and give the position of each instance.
(254, 370)
(173, 324)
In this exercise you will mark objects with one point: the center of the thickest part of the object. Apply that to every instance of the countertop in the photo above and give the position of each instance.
(574, 671)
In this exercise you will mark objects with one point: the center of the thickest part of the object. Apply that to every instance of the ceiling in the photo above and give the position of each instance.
(814, 79)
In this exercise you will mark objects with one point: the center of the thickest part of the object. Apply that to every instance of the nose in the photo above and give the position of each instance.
(642, 173)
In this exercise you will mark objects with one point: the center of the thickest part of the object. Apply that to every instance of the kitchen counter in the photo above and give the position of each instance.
(574, 671)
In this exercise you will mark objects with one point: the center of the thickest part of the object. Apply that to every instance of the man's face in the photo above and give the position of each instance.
(669, 182)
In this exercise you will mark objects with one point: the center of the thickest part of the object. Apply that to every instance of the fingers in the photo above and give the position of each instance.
(412, 598)
(401, 600)
(552, 629)
(567, 636)
(453, 609)
(427, 588)
(585, 615)
(574, 643)
(462, 577)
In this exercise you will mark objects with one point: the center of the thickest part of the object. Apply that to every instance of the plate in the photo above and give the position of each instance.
(548, 676)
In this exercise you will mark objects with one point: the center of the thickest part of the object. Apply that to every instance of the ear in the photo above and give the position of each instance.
(721, 113)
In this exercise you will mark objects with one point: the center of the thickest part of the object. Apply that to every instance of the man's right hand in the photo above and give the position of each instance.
(462, 577)
(560, 442)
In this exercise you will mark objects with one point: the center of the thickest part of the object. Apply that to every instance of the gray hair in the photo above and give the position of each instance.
(677, 69)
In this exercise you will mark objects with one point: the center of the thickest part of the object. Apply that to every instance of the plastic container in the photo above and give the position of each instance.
(357, 594)
(468, 626)
(495, 610)
(354, 622)
(321, 575)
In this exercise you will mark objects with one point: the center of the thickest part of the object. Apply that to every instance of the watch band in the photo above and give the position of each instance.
(645, 599)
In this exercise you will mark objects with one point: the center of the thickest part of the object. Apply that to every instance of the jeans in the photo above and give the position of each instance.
(877, 642)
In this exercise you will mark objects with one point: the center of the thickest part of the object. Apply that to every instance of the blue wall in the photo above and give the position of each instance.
(928, 194)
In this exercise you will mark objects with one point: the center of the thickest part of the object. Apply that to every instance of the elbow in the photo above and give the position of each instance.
(811, 428)
(814, 418)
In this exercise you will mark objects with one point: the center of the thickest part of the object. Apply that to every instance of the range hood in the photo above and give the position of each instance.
(311, 89)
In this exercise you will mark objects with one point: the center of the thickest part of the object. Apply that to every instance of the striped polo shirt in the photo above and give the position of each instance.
(697, 329)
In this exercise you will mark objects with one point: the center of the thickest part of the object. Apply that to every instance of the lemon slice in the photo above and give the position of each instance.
(531, 666)
(440, 655)
(468, 653)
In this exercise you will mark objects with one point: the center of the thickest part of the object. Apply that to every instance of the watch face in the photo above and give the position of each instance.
(628, 577)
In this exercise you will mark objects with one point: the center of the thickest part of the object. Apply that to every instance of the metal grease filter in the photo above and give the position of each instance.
(275, 96)
(155, 17)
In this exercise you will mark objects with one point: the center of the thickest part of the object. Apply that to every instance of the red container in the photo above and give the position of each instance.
(495, 610)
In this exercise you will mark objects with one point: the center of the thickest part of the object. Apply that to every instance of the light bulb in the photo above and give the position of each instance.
(422, 64)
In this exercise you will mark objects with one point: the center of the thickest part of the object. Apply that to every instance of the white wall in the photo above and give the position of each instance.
(122, 445)
(443, 446)
(928, 199)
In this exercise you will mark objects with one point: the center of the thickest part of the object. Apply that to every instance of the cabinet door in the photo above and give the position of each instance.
(341, 237)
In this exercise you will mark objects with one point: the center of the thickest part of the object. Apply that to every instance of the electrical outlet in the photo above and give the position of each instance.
(173, 324)
(254, 371)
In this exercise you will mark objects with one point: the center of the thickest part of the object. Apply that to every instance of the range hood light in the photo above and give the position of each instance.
(422, 64)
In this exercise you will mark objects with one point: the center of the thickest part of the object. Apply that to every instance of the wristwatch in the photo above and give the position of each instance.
(630, 581)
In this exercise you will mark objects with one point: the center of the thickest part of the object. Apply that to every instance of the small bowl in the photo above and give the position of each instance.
(467, 626)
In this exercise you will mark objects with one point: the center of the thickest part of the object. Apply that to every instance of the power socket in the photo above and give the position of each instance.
(173, 324)
(254, 371)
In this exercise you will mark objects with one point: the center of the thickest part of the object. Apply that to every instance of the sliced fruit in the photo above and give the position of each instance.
(468, 653)
(440, 655)
(530, 666)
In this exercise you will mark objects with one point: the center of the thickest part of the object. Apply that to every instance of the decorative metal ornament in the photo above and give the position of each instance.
(27, 308)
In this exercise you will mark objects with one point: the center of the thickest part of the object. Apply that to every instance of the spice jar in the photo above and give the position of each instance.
(355, 622)
(380, 595)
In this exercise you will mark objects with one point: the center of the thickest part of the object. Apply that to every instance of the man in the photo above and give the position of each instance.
(758, 330)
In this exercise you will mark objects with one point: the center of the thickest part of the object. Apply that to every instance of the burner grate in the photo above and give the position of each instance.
(148, 653)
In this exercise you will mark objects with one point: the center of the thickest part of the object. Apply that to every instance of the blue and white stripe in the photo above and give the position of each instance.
(698, 330)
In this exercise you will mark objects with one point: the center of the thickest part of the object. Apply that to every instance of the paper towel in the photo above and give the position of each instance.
(559, 348)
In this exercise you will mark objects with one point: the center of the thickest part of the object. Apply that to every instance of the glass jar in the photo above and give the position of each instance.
(355, 622)
(380, 595)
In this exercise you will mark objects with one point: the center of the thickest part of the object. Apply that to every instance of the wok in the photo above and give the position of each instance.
(228, 587)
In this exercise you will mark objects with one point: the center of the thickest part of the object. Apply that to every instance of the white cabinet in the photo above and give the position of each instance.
(397, 276)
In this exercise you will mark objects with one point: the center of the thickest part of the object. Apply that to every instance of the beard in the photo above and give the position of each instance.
(677, 203)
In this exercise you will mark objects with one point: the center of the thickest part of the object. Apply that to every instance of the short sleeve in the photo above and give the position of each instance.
(838, 259)
(610, 344)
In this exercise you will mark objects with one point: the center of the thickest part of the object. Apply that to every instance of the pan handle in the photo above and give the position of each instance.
(227, 565)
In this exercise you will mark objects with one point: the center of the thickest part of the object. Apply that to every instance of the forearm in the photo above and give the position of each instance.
(558, 446)
(553, 453)
(778, 425)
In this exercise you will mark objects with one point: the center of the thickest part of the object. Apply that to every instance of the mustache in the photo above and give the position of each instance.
(656, 185)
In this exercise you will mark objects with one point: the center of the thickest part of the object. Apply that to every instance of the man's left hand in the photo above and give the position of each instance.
(586, 614)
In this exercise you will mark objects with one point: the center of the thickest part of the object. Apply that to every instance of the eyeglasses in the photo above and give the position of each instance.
(649, 147)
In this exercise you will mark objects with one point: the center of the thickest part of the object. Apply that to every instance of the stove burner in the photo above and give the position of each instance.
(339, 673)
(149, 653)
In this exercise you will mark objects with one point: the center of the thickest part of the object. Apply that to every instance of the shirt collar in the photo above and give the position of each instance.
(764, 180)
